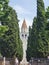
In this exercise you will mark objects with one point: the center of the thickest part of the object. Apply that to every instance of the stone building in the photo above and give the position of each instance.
(24, 37)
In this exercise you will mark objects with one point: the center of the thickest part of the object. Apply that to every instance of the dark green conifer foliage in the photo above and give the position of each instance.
(38, 43)
(10, 43)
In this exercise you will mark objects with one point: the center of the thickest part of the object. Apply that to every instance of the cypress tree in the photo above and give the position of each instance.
(28, 54)
(47, 27)
(10, 42)
(32, 41)
(41, 25)
(38, 44)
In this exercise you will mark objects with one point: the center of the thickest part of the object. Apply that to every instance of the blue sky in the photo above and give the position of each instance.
(26, 9)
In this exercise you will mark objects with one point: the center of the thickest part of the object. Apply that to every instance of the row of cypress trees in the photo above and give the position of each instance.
(38, 40)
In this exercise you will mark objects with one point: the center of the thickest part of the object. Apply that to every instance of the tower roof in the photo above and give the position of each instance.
(24, 24)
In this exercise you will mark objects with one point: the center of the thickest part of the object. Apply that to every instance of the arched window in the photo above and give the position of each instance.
(25, 35)
(22, 35)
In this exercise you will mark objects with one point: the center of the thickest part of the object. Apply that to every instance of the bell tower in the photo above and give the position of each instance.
(24, 37)
(24, 30)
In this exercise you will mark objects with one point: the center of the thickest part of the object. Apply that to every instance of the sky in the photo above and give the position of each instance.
(26, 9)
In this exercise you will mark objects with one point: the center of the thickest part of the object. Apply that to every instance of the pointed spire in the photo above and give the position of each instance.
(24, 24)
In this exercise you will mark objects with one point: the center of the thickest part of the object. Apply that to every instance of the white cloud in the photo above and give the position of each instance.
(21, 10)
(23, 13)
